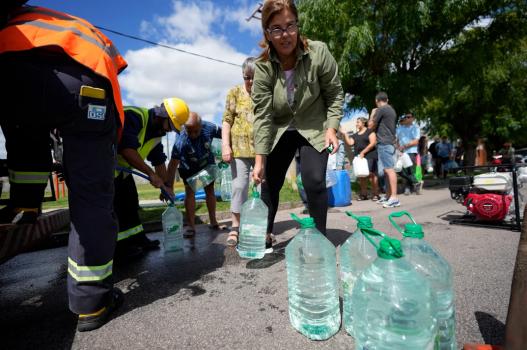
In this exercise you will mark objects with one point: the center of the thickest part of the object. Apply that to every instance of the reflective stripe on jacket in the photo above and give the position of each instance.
(144, 147)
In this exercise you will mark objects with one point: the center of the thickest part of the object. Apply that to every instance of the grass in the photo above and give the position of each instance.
(287, 194)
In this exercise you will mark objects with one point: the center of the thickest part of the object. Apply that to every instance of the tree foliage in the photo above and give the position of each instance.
(460, 64)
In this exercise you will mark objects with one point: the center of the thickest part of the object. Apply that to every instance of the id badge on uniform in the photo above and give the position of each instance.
(96, 112)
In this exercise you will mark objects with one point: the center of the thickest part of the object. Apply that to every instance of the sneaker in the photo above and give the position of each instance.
(98, 319)
(391, 203)
(382, 199)
(407, 191)
(268, 246)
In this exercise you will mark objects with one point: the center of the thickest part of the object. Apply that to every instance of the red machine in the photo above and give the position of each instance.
(488, 206)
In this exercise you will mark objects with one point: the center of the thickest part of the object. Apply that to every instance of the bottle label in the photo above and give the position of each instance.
(173, 229)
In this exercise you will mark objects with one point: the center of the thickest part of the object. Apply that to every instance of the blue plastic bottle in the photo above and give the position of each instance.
(253, 227)
(356, 254)
(394, 303)
(312, 282)
(427, 261)
(172, 222)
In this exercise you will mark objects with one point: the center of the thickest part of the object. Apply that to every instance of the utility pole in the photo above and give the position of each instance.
(256, 14)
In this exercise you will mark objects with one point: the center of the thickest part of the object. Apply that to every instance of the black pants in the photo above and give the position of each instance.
(313, 171)
(408, 174)
(43, 94)
(126, 206)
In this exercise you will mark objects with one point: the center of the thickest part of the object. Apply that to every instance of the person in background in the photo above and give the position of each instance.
(237, 143)
(298, 100)
(60, 72)
(191, 153)
(481, 153)
(444, 151)
(384, 120)
(422, 149)
(507, 153)
(408, 135)
(459, 153)
(140, 141)
(364, 141)
(436, 161)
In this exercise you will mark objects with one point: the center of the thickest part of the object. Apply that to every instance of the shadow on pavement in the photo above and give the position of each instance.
(492, 330)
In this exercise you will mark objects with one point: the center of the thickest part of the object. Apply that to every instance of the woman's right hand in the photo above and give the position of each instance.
(226, 153)
(259, 169)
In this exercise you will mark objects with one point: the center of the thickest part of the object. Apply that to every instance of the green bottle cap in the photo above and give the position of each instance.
(365, 222)
(413, 231)
(255, 194)
(390, 248)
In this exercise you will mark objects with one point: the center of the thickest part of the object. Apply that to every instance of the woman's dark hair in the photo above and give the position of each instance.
(423, 145)
(269, 10)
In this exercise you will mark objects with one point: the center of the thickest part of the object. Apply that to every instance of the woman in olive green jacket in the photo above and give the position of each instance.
(297, 98)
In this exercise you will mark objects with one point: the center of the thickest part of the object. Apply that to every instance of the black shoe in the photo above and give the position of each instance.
(125, 251)
(91, 322)
(144, 242)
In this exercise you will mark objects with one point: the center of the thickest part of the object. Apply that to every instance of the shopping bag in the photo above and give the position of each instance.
(407, 161)
(418, 168)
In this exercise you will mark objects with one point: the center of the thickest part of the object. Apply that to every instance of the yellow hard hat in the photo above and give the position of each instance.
(177, 111)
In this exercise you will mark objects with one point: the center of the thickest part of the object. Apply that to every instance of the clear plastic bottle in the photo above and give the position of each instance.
(253, 227)
(226, 181)
(172, 222)
(427, 261)
(356, 254)
(311, 264)
(203, 178)
(394, 303)
(331, 178)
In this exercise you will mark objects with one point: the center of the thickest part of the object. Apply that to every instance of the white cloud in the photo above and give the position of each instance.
(155, 73)
(240, 14)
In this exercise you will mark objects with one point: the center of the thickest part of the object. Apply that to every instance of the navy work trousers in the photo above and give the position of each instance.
(43, 93)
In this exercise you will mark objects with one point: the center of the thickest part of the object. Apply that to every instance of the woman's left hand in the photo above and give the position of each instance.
(331, 139)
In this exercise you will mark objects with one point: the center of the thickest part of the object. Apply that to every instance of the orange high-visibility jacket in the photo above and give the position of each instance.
(31, 27)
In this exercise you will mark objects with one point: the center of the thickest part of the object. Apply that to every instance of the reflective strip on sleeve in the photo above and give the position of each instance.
(28, 177)
(130, 232)
(89, 273)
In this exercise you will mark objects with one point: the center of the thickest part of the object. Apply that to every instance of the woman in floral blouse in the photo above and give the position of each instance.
(237, 143)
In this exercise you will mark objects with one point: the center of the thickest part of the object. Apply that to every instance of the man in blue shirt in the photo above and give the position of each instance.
(444, 150)
(191, 153)
(408, 135)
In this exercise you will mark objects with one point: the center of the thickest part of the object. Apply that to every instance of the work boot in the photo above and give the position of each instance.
(144, 242)
(127, 251)
(90, 322)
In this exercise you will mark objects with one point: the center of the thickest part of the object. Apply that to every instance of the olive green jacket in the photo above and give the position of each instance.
(318, 98)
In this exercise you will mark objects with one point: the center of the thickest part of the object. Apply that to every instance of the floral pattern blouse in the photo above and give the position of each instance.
(239, 114)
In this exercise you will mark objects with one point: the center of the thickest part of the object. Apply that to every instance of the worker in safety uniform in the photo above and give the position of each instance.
(141, 140)
(61, 72)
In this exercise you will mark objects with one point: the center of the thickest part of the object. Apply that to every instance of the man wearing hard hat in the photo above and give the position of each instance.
(141, 139)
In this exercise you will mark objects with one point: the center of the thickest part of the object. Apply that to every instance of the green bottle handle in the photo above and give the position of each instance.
(367, 232)
(399, 214)
(223, 165)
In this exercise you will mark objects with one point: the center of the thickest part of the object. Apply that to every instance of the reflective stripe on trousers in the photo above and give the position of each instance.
(130, 232)
(89, 273)
(28, 177)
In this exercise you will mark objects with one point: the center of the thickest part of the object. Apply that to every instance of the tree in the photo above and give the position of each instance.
(459, 64)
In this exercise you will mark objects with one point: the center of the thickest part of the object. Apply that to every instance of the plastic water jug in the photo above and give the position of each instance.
(394, 303)
(311, 264)
(172, 222)
(427, 261)
(216, 148)
(226, 181)
(253, 227)
(356, 254)
(203, 178)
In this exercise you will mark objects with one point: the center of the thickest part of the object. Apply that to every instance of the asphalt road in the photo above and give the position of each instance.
(206, 297)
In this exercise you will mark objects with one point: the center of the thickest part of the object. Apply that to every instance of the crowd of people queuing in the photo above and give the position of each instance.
(288, 107)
